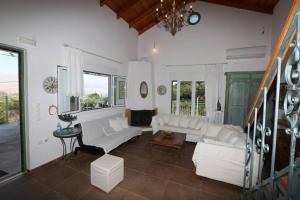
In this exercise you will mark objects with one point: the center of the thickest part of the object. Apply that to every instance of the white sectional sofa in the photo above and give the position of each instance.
(220, 149)
(99, 133)
(193, 127)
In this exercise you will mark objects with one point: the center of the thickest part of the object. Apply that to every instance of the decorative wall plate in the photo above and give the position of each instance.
(50, 85)
(52, 110)
(161, 90)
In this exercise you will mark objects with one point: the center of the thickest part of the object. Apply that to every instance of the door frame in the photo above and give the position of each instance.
(22, 102)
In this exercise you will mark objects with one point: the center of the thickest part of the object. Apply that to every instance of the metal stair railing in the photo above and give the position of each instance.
(288, 50)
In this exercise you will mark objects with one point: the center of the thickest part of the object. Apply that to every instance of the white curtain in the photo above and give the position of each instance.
(74, 63)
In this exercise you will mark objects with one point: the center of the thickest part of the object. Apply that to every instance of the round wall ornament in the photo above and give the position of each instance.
(161, 90)
(50, 85)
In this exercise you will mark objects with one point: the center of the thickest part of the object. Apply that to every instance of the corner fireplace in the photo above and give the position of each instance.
(140, 118)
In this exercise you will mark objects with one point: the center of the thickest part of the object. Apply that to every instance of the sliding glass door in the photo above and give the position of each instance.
(10, 112)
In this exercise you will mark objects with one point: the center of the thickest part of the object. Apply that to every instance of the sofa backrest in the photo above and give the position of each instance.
(94, 129)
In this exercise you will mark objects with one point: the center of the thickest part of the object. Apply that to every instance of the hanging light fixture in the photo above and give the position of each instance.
(180, 15)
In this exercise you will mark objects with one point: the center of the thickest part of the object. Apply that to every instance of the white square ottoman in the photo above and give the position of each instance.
(107, 172)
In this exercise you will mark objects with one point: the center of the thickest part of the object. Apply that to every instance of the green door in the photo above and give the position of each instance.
(241, 88)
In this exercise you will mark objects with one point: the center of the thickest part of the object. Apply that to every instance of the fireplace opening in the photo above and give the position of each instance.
(141, 118)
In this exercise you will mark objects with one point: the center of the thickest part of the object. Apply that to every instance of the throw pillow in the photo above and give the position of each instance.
(115, 124)
(160, 121)
(184, 122)
(174, 120)
(193, 123)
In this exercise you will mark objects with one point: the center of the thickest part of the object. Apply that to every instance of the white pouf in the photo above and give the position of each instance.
(107, 172)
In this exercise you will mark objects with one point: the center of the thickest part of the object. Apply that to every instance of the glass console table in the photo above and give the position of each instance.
(71, 133)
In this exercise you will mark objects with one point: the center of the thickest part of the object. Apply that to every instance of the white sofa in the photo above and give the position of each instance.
(220, 149)
(220, 155)
(193, 127)
(98, 133)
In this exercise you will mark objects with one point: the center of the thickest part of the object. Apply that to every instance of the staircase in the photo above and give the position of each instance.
(283, 184)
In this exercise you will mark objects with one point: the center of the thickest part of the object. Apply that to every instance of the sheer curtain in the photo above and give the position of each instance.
(74, 63)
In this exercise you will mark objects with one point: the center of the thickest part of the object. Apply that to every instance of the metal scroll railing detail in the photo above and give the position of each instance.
(292, 106)
(271, 188)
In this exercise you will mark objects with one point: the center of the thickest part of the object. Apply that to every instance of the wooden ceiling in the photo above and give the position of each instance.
(139, 14)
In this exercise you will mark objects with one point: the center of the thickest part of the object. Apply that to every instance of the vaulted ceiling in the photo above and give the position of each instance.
(139, 14)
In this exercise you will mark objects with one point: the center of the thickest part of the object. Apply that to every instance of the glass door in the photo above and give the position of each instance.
(10, 112)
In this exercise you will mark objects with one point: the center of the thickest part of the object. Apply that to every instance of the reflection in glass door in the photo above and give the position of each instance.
(10, 112)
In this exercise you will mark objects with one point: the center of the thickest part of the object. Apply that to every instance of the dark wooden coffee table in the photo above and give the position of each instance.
(173, 140)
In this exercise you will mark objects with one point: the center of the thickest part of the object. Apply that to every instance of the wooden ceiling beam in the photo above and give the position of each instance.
(243, 5)
(147, 13)
(126, 7)
(147, 27)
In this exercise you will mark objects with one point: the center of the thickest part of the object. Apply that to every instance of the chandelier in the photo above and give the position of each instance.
(176, 17)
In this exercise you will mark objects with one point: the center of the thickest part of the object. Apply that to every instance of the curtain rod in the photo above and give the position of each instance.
(190, 65)
(91, 53)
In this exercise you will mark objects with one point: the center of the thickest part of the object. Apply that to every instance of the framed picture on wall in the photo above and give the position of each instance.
(121, 89)
(283, 89)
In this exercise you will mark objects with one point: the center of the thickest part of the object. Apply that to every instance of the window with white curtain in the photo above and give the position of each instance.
(99, 91)
(188, 98)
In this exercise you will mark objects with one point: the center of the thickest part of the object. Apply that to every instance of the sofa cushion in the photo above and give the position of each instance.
(193, 122)
(174, 120)
(224, 134)
(212, 130)
(91, 130)
(116, 124)
(184, 122)
(199, 125)
(241, 142)
(165, 118)
(108, 143)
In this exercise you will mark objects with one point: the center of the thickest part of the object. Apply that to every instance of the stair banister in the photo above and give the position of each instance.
(285, 40)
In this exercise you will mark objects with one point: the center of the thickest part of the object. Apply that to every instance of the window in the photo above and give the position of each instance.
(119, 91)
(188, 98)
(96, 91)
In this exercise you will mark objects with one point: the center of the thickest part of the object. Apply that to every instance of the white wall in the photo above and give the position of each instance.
(220, 28)
(280, 14)
(139, 71)
(52, 23)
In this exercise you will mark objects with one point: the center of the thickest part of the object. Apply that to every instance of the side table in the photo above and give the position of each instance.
(71, 133)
